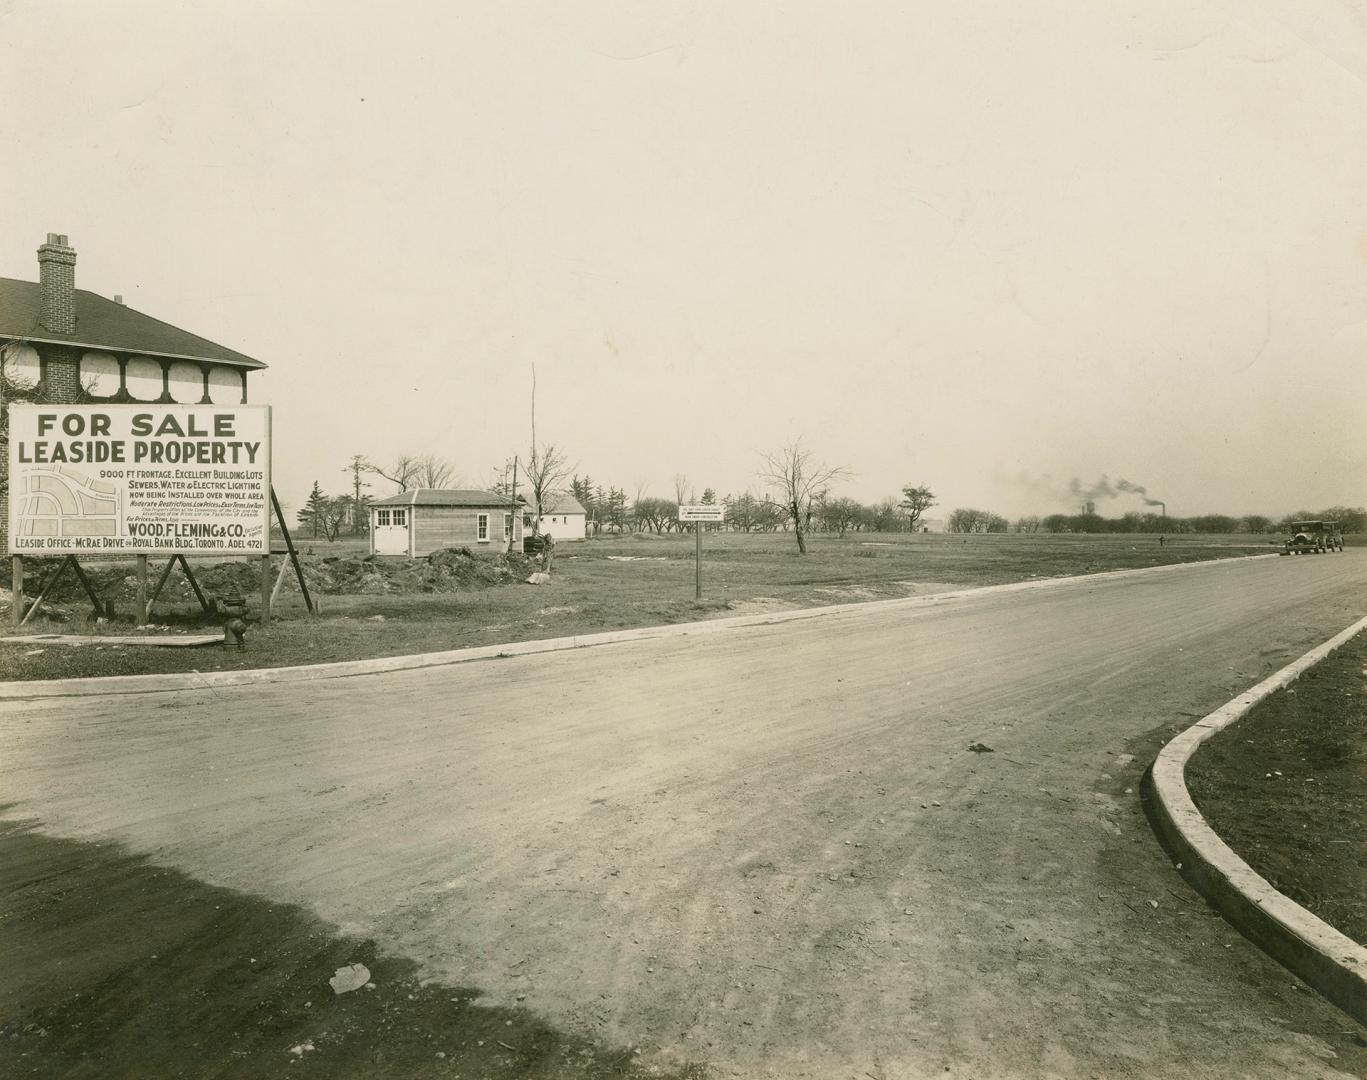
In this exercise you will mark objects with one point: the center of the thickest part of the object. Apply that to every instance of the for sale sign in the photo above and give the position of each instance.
(139, 479)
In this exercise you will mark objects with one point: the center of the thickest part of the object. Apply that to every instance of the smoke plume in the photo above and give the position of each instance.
(1075, 492)
(1104, 489)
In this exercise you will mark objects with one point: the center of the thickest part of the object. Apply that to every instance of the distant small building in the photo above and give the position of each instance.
(562, 517)
(424, 520)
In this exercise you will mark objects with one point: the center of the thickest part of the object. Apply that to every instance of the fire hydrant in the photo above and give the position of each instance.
(233, 607)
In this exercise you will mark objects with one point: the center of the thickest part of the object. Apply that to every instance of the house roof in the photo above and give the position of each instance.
(561, 502)
(103, 324)
(446, 497)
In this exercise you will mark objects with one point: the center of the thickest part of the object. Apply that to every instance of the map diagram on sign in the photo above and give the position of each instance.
(65, 502)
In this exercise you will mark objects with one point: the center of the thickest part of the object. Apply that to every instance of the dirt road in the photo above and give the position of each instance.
(768, 849)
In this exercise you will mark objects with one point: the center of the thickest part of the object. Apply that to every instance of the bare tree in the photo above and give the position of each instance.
(799, 479)
(417, 470)
(402, 473)
(840, 515)
(435, 472)
(915, 502)
(335, 513)
(967, 520)
(639, 486)
(680, 489)
(660, 515)
(547, 468)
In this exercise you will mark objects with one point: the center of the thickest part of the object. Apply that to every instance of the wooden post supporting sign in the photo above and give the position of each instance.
(293, 557)
(47, 586)
(17, 588)
(142, 590)
(697, 558)
(265, 588)
(699, 513)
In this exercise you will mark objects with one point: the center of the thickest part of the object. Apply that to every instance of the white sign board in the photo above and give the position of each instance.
(702, 512)
(139, 479)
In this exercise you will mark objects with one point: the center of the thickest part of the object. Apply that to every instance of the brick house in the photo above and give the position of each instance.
(64, 345)
(424, 520)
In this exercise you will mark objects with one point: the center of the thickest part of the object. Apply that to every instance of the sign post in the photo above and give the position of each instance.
(699, 513)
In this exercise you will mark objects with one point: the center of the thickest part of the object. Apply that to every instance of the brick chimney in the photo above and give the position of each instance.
(57, 282)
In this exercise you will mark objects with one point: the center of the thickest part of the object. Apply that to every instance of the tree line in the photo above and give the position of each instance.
(1350, 519)
(797, 494)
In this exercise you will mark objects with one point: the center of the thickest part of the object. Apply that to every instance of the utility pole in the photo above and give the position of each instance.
(512, 517)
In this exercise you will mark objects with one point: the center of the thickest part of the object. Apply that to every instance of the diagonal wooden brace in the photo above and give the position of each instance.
(47, 587)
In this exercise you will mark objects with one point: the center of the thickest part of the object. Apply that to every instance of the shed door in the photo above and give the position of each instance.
(391, 531)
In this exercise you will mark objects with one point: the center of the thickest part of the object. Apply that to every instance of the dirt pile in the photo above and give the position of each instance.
(448, 570)
(445, 571)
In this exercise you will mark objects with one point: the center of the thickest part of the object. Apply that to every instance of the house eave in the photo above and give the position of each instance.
(247, 364)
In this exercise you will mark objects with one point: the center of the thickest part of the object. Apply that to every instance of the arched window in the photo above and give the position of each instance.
(21, 366)
(187, 382)
(142, 377)
(225, 386)
(99, 374)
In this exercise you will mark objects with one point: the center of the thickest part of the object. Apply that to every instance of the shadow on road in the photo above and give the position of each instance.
(116, 967)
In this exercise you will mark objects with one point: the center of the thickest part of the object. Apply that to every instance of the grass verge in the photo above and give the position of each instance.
(1286, 788)
(613, 584)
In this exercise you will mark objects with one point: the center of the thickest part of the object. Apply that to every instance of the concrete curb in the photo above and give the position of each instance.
(1326, 959)
(151, 684)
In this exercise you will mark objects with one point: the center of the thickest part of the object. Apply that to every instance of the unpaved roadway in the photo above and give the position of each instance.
(768, 849)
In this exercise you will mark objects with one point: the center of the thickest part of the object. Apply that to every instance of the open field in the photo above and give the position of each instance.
(612, 584)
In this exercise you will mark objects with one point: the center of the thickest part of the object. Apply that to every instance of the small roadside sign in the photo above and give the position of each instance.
(702, 512)
(699, 513)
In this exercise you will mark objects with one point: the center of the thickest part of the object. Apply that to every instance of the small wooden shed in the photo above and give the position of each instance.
(424, 520)
(562, 517)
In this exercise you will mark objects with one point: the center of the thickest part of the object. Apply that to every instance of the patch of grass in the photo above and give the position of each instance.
(617, 583)
(1286, 788)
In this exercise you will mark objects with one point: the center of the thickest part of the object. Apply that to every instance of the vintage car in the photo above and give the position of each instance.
(1318, 536)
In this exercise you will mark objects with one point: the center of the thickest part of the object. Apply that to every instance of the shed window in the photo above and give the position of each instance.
(381, 517)
(507, 524)
(482, 527)
(400, 517)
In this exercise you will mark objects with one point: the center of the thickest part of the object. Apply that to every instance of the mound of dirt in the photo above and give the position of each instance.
(445, 571)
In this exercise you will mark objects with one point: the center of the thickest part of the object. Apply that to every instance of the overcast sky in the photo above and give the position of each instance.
(988, 247)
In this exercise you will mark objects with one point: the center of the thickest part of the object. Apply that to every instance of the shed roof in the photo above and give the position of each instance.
(103, 324)
(446, 497)
(561, 502)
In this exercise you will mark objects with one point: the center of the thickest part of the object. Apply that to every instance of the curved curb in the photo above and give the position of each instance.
(1326, 959)
(20, 690)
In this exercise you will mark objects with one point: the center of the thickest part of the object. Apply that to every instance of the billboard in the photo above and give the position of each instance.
(139, 479)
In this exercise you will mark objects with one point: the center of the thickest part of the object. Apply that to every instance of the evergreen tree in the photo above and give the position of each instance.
(312, 515)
